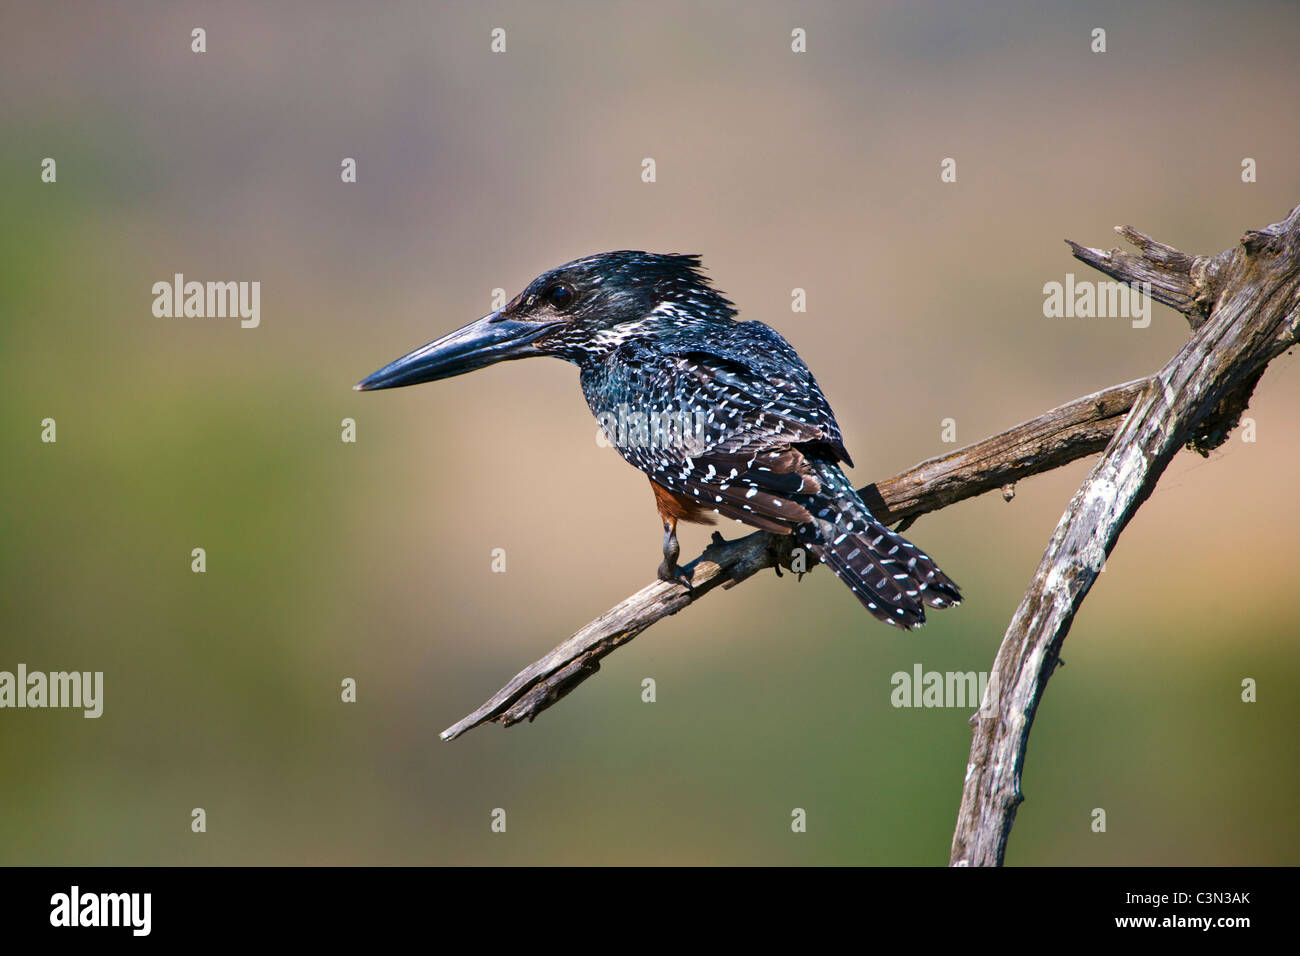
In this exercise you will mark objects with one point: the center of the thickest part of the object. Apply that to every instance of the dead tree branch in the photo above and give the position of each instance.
(1062, 435)
(1244, 308)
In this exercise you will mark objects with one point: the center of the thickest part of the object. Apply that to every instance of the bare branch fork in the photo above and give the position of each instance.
(1244, 309)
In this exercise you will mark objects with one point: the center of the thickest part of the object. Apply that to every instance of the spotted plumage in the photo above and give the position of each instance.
(722, 416)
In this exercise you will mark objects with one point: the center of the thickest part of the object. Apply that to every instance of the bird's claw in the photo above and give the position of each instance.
(675, 575)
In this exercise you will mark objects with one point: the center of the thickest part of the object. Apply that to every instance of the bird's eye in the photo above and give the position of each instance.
(560, 296)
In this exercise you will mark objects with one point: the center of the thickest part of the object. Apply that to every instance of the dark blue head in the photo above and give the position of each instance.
(577, 312)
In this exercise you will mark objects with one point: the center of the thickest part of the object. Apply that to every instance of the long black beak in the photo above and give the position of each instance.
(487, 341)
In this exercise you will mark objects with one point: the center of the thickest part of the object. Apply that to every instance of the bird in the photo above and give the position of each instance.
(722, 415)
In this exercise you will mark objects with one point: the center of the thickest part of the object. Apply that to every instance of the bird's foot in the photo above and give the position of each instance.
(669, 570)
(674, 574)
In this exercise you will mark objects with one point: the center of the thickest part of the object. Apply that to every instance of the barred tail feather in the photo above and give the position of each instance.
(893, 579)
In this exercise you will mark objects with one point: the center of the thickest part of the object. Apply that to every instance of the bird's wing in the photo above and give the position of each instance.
(743, 421)
(758, 356)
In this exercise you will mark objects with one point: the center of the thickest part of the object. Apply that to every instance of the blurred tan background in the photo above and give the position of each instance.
(373, 560)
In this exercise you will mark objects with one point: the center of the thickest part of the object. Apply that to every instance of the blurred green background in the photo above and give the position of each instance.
(373, 560)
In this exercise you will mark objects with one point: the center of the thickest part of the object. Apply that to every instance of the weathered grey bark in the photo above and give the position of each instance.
(1244, 308)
